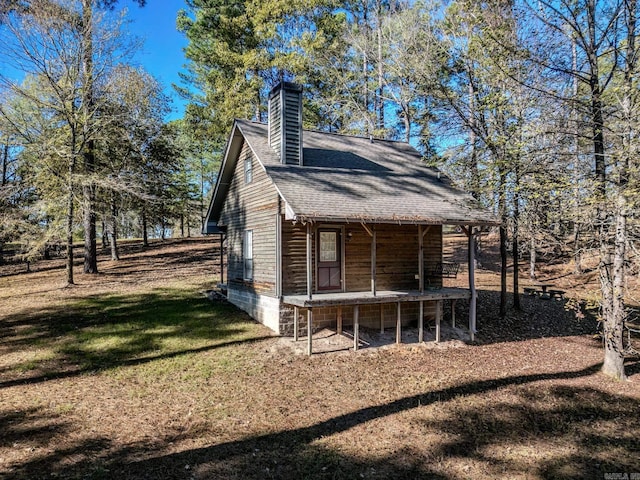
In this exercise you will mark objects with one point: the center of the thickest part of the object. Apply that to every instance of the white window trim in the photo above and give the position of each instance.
(247, 255)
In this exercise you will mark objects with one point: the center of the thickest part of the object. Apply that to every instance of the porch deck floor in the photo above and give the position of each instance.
(365, 298)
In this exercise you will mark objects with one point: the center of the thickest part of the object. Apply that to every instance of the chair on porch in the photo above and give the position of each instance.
(440, 270)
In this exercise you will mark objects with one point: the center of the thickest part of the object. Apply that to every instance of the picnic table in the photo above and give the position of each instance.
(544, 290)
(544, 287)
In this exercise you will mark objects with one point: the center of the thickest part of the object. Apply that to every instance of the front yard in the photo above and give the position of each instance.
(134, 373)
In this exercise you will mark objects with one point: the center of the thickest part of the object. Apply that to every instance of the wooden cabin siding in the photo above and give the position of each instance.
(396, 257)
(252, 206)
(294, 258)
(433, 247)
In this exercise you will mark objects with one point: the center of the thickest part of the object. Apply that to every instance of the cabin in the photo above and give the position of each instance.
(328, 230)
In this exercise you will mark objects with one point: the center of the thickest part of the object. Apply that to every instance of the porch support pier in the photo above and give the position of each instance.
(356, 299)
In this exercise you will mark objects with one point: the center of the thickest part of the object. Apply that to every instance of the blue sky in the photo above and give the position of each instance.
(162, 55)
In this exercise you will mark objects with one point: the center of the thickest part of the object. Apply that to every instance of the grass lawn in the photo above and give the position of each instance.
(135, 374)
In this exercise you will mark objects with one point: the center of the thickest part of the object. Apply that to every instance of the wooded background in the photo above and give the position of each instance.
(531, 106)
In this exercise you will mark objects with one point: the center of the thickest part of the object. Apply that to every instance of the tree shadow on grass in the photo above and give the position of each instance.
(552, 430)
(107, 331)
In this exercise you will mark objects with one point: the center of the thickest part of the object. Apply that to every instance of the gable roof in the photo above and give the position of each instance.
(348, 178)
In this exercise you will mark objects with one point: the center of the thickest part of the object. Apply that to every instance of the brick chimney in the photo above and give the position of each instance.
(285, 122)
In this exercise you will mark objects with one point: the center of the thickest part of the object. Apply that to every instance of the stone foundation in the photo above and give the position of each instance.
(263, 308)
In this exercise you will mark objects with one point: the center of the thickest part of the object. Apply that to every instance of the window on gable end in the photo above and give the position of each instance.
(248, 169)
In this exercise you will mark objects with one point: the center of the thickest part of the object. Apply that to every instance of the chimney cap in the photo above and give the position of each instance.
(285, 86)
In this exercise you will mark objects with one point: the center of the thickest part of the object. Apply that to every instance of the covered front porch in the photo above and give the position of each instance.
(355, 300)
(428, 282)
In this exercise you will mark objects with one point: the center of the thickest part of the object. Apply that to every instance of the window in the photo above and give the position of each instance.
(247, 254)
(328, 246)
(248, 169)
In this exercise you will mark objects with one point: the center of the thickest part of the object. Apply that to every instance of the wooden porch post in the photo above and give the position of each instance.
(356, 334)
(398, 324)
(309, 262)
(372, 233)
(472, 285)
(421, 323)
(339, 320)
(382, 318)
(309, 331)
(296, 313)
(420, 260)
(373, 261)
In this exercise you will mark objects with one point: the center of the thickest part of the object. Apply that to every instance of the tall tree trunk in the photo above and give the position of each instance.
(105, 232)
(5, 163)
(515, 240)
(577, 255)
(5, 160)
(114, 229)
(188, 221)
(613, 323)
(381, 125)
(145, 236)
(258, 115)
(577, 252)
(203, 214)
(406, 119)
(613, 329)
(502, 209)
(181, 225)
(70, 213)
(612, 326)
(474, 174)
(365, 71)
(88, 190)
(532, 258)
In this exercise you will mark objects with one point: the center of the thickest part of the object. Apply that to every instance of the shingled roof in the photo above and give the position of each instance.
(350, 178)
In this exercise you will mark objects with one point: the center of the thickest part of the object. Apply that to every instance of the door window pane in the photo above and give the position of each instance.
(328, 247)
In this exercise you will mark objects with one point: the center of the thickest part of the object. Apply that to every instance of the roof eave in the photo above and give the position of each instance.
(232, 149)
(315, 218)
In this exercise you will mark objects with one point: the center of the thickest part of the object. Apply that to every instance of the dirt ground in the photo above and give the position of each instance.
(135, 374)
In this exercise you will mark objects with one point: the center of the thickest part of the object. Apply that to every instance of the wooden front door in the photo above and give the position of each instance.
(329, 259)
